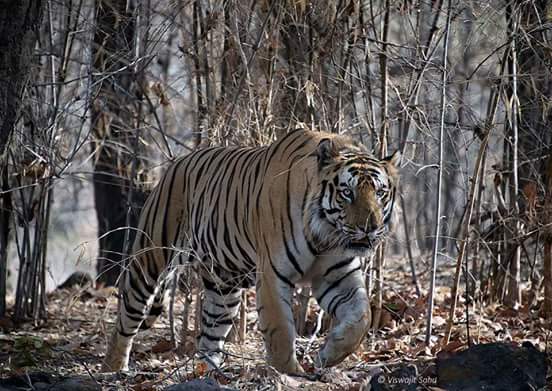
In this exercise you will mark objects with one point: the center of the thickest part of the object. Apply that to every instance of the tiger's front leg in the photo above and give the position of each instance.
(276, 321)
(341, 292)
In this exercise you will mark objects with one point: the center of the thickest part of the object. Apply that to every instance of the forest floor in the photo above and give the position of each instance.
(73, 338)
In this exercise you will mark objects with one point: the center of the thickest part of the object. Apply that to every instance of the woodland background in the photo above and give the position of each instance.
(97, 97)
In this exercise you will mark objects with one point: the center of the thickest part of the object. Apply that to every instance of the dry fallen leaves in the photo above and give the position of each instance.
(80, 321)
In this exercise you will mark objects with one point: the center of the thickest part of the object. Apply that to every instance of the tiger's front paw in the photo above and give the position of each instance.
(329, 356)
(114, 364)
(213, 360)
(118, 353)
(290, 367)
(343, 340)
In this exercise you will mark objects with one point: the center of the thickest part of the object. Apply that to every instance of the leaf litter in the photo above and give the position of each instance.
(73, 338)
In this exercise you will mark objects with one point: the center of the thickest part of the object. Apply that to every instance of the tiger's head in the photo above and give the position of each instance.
(353, 209)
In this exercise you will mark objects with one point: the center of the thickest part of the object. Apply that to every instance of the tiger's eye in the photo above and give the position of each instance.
(380, 193)
(348, 193)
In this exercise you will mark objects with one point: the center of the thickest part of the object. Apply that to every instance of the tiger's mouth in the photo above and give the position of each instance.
(361, 245)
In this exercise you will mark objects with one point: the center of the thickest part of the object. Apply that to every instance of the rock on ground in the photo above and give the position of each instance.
(493, 367)
(47, 382)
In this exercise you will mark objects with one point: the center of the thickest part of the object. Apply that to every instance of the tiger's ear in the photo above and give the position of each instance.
(327, 152)
(394, 159)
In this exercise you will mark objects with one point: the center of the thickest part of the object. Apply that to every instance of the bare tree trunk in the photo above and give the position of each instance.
(547, 239)
(547, 309)
(530, 88)
(437, 231)
(295, 33)
(19, 25)
(5, 221)
(114, 113)
(513, 298)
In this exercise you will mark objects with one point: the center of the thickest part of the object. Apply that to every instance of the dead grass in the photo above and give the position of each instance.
(72, 341)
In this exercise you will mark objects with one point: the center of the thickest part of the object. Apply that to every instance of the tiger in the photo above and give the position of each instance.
(302, 210)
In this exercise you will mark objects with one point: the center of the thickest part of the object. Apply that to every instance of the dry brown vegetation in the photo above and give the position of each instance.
(72, 342)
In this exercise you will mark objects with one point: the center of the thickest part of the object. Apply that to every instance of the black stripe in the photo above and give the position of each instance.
(337, 282)
(248, 164)
(392, 204)
(304, 210)
(216, 323)
(149, 228)
(228, 243)
(228, 305)
(208, 160)
(137, 319)
(195, 157)
(303, 144)
(323, 192)
(241, 166)
(290, 255)
(146, 236)
(168, 209)
(339, 265)
(126, 335)
(374, 173)
(311, 247)
(151, 267)
(280, 276)
(148, 207)
(178, 234)
(139, 299)
(331, 193)
(214, 316)
(274, 147)
(210, 337)
(248, 261)
(257, 181)
(271, 152)
(135, 288)
(151, 225)
(230, 165)
(211, 286)
(288, 200)
(131, 310)
(342, 300)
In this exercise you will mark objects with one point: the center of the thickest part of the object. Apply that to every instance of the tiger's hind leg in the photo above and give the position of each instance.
(341, 292)
(219, 309)
(137, 292)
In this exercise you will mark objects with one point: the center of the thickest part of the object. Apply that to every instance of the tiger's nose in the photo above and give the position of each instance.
(372, 223)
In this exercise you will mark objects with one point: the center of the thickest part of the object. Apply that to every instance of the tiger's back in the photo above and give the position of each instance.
(185, 209)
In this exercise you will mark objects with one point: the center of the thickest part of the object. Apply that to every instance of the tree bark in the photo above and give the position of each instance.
(534, 90)
(547, 239)
(295, 37)
(114, 125)
(19, 25)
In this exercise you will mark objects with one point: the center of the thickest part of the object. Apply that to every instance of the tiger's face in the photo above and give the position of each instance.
(357, 194)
